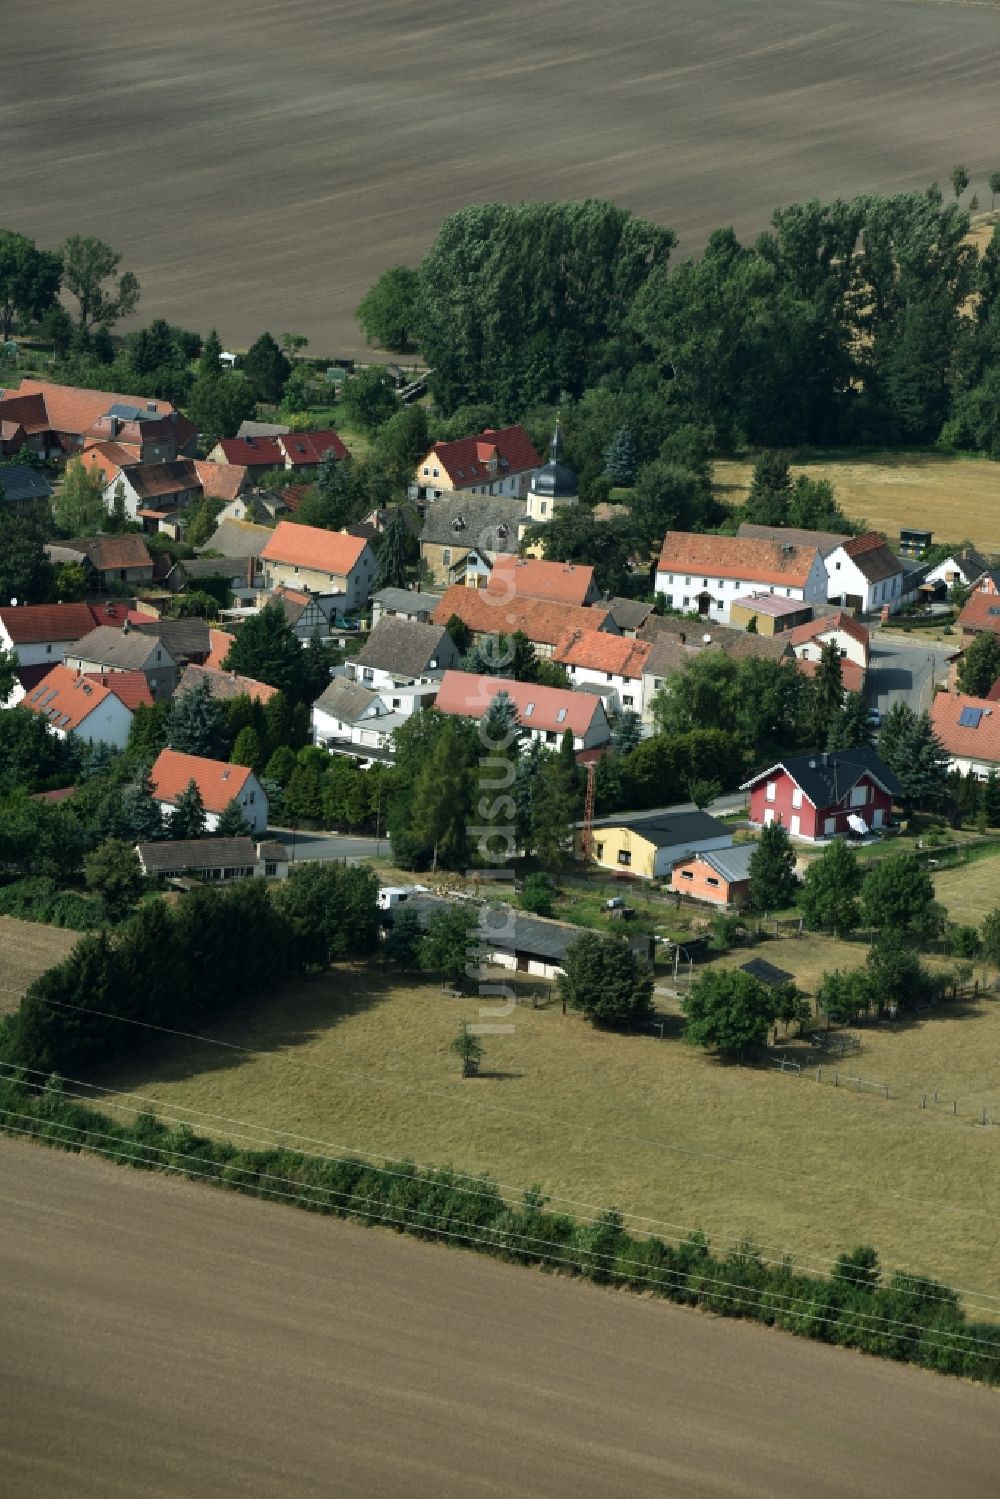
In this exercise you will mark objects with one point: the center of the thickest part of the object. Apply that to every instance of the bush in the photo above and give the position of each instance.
(38, 899)
(964, 942)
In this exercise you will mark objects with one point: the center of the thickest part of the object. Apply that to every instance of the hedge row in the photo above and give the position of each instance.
(904, 1317)
(39, 899)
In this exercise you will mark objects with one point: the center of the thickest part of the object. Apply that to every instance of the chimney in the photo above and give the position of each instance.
(126, 625)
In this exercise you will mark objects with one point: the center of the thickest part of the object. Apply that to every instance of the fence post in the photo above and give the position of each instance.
(954, 1106)
(836, 1079)
(859, 1085)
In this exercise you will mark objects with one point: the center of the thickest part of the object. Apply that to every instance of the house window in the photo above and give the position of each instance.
(669, 600)
(711, 880)
(543, 507)
(426, 470)
(797, 797)
(686, 601)
(687, 580)
(48, 649)
(435, 473)
(859, 796)
(599, 850)
(270, 870)
(627, 701)
(252, 794)
(836, 567)
(624, 857)
(772, 787)
(718, 604)
(446, 556)
(687, 874)
(159, 655)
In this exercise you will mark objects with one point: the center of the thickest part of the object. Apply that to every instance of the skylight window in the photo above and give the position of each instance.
(969, 718)
(560, 715)
(529, 709)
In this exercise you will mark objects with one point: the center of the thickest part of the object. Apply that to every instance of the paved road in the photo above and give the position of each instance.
(162, 1339)
(905, 673)
(311, 846)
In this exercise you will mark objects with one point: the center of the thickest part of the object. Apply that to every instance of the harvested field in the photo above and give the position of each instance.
(650, 1125)
(956, 498)
(27, 948)
(259, 165)
(195, 1343)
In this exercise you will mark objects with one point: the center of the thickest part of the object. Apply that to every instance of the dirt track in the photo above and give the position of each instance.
(157, 1338)
(260, 163)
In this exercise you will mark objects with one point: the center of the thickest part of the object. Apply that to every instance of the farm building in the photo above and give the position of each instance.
(650, 846)
(707, 574)
(214, 859)
(721, 877)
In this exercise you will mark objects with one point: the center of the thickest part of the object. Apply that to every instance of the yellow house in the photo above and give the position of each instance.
(650, 846)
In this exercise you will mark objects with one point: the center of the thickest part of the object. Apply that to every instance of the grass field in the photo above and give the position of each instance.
(956, 498)
(281, 191)
(652, 1126)
(27, 948)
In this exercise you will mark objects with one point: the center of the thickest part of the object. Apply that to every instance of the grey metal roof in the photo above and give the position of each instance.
(407, 601)
(732, 863)
(198, 853)
(671, 829)
(345, 699)
(263, 429)
(407, 647)
(21, 482)
(487, 521)
(556, 478)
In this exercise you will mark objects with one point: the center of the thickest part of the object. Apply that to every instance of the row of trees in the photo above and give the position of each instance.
(853, 315)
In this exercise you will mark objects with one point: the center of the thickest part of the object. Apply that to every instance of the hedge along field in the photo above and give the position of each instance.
(906, 1318)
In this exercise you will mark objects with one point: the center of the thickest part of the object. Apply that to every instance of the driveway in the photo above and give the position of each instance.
(307, 848)
(904, 673)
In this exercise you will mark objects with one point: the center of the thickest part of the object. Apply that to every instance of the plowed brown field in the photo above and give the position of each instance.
(158, 1339)
(260, 163)
(27, 948)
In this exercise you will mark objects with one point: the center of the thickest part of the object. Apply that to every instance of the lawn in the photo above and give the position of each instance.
(971, 890)
(650, 1125)
(955, 497)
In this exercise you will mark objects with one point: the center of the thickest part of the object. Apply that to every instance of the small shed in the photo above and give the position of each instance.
(767, 973)
(773, 615)
(913, 542)
(722, 878)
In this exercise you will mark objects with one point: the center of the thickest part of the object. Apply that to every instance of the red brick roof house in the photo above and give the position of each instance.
(849, 634)
(980, 613)
(545, 713)
(706, 573)
(74, 704)
(218, 782)
(831, 794)
(498, 461)
(108, 559)
(610, 664)
(220, 644)
(544, 623)
(106, 651)
(528, 577)
(40, 635)
(53, 420)
(968, 729)
(300, 452)
(224, 684)
(131, 686)
(222, 481)
(154, 489)
(325, 562)
(110, 457)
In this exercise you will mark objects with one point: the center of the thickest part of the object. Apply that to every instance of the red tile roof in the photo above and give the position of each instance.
(308, 448)
(65, 699)
(562, 582)
(331, 552)
(815, 629)
(73, 410)
(131, 686)
(851, 674)
(220, 481)
(34, 624)
(465, 460)
(303, 448)
(603, 652)
(543, 622)
(739, 557)
(221, 643)
(551, 709)
(217, 780)
(110, 458)
(224, 684)
(115, 612)
(981, 612)
(978, 739)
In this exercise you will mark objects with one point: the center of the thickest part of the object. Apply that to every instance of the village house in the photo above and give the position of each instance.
(628, 615)
(496, 462)
(650, 845)
(962, 569)
(54, 421)
(329, 563)
(847, 634)
(106, 650)
(545, 624)
(213, 860)
(506, 938)
(152, 491)
(299, 452)
(865, 575)
(39, 635)
(307, 613)
(73, 704)
(610, 664)
(187, 639)
(980, 613)
(107, 560)
(400, 651)
(218, 782)
(769, 613)
(220, 643)
(224, 685)
(349, 716)
(845, 793)
(403, 603)
(705, 573)
(722, 878)
(544, 713)
(222, 481)
(191, 573)
(23, 489)
(130, 686)
(464, 534)
(528, 577)
(968, 730)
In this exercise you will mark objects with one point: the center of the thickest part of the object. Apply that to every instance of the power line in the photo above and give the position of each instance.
(768, 1297)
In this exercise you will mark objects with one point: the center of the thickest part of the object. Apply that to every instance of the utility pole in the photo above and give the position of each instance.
(588, 812)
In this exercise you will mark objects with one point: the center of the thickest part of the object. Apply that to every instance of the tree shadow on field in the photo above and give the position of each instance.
(281, 1021)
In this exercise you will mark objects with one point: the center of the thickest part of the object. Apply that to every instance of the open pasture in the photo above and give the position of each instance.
(259, 164)
(27, 948)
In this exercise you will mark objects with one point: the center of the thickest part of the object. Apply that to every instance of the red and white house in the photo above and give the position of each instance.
(218, 782)
(545, 713)
(843, 793)
(85, 706)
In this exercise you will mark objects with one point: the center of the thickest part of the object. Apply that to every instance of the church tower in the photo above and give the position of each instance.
(553, 485)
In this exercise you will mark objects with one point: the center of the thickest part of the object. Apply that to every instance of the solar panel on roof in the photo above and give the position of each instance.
(969, 718)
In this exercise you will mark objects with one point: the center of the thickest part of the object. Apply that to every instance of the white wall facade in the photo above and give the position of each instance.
(846, 580)
(629, 691)
(683, 590)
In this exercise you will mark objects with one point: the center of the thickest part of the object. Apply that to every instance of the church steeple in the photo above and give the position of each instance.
(554, 484)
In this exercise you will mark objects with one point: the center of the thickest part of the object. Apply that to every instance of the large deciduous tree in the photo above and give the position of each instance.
(389, 312)
(830, 889)
(729, 1010)
(114, 873)
(897, 898)
(26, 574)
(266, 369)
(29, 281)
(78, 505)
(979, 664)
(91, 275)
